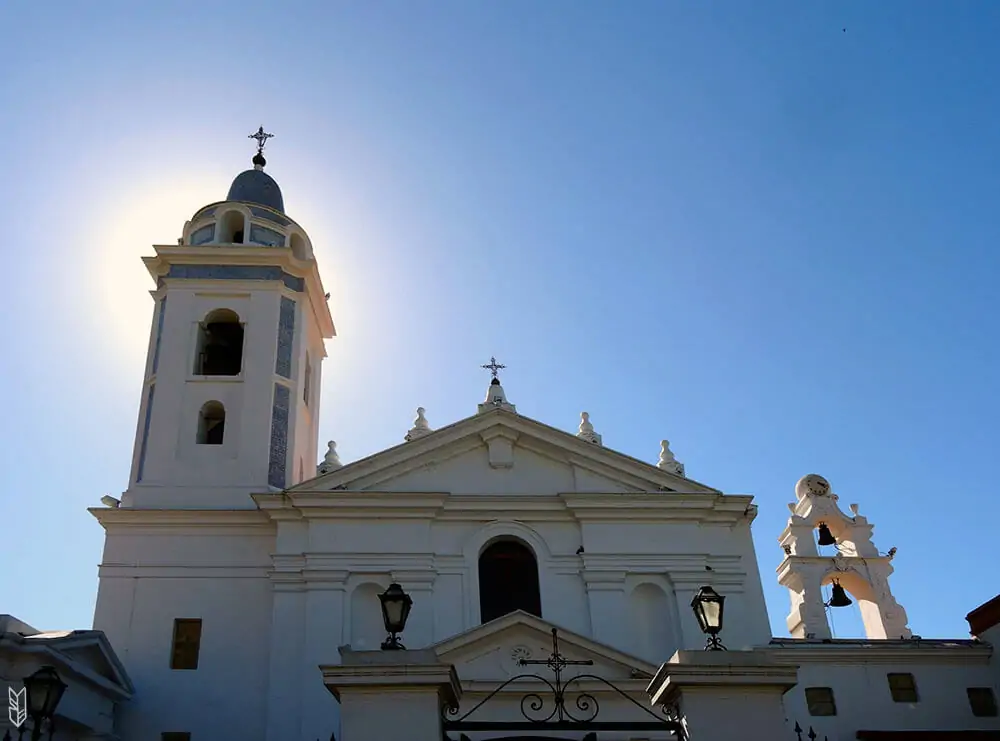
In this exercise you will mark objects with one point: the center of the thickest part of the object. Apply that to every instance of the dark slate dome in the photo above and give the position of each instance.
(256, 186)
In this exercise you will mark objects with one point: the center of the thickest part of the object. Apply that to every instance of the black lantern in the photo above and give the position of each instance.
(708, 606)
(825, 536)
(396, 606)
(44, 690)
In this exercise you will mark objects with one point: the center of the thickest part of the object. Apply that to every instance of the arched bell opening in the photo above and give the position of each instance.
(232, 227)
(211, 423)
(298, 244)
(508, 580)
(852, 607)
(219, 351)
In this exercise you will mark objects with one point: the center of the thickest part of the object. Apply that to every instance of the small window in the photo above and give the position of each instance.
(903, 688)
(211, 424)
(220, 345)
(175, 736)
(186, 644)
(983, 702)
(306, 381)
(819, 700)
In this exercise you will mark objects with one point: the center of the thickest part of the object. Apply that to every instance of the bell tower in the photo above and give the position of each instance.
(230, 396)
(857, 567)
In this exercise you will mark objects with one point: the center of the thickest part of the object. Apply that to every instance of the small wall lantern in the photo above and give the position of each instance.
(396, 606)
(708, 606)
(43, 689)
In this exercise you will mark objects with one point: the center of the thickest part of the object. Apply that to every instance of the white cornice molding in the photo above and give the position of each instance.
(181, 571)
(230, 520)
(167, 255)
(792, 651)
(723, 509)
(653, 508)
(351, 504)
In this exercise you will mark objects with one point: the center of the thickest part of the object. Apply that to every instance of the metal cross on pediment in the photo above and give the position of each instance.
(556, 661)
(493, 367)
(261, 136)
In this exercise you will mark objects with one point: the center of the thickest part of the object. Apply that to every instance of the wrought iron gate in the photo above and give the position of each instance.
(542, 712)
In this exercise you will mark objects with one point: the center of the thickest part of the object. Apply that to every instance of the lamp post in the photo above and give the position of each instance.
(708, 608)
(44, 690)
(396, 606)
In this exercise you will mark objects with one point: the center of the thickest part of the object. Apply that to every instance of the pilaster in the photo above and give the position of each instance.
(725, 694)
(388, 695)
(284, 696)
(606, 597)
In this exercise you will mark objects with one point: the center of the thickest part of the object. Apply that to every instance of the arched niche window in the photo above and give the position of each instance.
(220, 345)
(508, 580)
(298, 245)
(211, 424)
(232, 227)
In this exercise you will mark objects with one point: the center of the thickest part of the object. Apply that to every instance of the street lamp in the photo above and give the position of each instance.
(708, 608)
(396, 606)
(44, 690)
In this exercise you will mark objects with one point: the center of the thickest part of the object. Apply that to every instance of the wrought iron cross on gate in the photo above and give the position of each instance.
(557, 662)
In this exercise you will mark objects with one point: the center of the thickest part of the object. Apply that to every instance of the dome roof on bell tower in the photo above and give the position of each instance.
(256, 186)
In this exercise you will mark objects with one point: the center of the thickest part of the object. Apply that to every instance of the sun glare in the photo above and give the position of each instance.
(124, 230)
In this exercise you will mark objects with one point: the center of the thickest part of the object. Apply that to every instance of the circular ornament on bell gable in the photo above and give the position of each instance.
(812, 485)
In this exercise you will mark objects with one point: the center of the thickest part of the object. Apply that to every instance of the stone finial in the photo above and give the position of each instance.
(587, 430)
(331, 461)
(854, 509)
(420, 426)
(496, 398)
(667, 460)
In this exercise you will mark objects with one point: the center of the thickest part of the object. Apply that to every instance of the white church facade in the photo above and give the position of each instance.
(239, 588)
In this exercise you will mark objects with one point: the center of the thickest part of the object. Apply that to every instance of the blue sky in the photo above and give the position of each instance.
(766, 231)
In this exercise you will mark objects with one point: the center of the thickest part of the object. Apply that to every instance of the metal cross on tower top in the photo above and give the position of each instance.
(493, 367)
(261, 136)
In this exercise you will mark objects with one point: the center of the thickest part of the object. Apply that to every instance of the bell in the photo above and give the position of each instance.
(825, 536)
(839, 597)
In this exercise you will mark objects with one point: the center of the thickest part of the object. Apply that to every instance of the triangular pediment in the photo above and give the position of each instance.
(491, 652)
(500, 452)
(90, 653)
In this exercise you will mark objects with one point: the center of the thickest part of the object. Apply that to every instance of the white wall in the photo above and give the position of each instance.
(861, 690)
(203, 573)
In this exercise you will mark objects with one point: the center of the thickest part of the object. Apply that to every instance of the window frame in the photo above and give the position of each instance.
(987, 707)
(814, 704)
(182, 647)
(899, 690)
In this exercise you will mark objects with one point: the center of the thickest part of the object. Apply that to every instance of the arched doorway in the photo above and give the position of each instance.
(508, 580)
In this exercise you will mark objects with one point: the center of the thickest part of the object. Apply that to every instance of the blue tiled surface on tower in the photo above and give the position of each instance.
(236, 272)
(286, 336)
(263, 213)
(279, 436)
